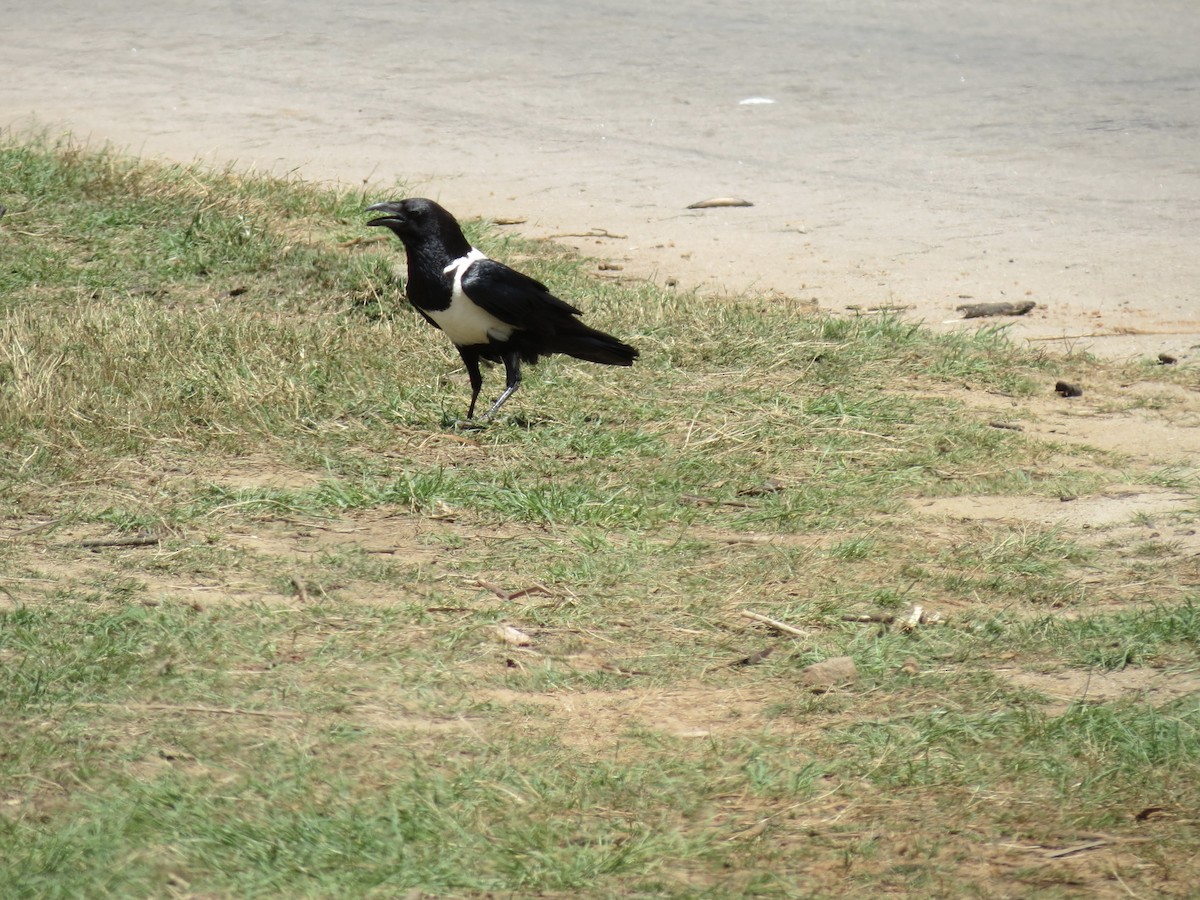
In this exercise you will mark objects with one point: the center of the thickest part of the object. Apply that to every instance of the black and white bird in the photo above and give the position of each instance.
(488, 310)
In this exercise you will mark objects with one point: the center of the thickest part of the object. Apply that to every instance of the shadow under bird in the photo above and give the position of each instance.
(488, 310)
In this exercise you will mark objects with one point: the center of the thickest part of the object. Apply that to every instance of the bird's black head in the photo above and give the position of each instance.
(417, 221)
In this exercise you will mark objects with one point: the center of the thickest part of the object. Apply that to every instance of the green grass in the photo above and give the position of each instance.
(299, 691)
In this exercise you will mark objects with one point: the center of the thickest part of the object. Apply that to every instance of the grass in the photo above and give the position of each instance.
(299, 690)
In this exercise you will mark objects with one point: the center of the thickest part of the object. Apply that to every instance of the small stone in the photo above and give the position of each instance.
(829, 674)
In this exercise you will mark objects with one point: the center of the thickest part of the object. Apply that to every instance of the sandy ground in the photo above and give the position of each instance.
(917, 155)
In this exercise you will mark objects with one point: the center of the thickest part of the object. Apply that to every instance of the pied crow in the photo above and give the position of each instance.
(488, 310)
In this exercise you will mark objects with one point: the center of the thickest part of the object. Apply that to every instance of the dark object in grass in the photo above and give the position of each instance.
(1166, 359)
(981, 310)
(770, 486)
(754, 658)
(1066, 389)
(3, 210)
(488, 310)
(137, 540)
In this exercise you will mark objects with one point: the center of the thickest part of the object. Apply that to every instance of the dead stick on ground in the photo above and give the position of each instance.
(494, 588)
(778, 626)
(595, 232)
(140, 540)
(1078, 848)
(32, 529)
(532, 589)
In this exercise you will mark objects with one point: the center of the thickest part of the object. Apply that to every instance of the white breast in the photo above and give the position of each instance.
(464, 322)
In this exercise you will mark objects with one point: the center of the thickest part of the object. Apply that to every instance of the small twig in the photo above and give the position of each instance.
(595, 232)
(891, 307)
(494, 588)
(980, 310)
(753, 659)
(32, 529)
(1078, 848)
(512, 595)
(1121, 332)
(1069, 337)
(532, 589)
(777, 625)
(697, 500)
(140, 540)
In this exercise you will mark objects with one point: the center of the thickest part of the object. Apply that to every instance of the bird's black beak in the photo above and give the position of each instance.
(392, 210)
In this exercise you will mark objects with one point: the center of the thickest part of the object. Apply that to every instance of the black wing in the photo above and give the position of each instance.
(514, 298)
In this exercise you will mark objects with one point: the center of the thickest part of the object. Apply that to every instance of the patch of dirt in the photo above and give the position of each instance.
(1114, 505)
(255, 472)
(402, 721)
(1062, 688)
(382, 531)
(1153, 423)
(1140, 434)
(596, 720)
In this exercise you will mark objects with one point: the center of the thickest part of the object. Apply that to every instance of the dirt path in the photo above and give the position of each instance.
(919, 156)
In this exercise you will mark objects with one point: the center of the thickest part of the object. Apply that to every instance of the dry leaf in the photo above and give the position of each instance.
(511, 636)
(913, 619)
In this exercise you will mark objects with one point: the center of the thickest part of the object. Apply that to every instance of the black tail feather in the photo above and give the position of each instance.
(595, 346)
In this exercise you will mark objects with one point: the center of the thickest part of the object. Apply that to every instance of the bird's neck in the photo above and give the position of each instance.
(428, 283)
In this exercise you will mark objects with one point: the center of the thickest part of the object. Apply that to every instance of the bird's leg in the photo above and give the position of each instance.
(471, 360)
(512, 371)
